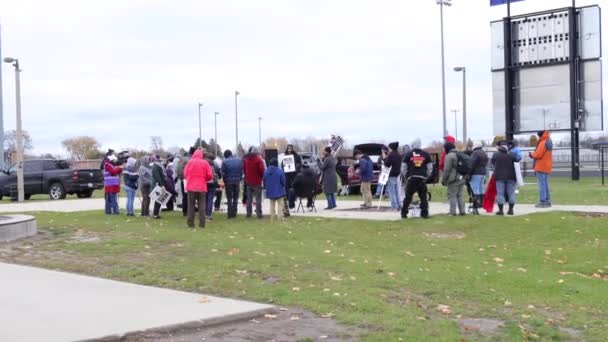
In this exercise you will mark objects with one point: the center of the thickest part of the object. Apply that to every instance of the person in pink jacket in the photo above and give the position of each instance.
(197, 173)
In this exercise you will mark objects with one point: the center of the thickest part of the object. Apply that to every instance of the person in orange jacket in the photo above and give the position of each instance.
(543, 166)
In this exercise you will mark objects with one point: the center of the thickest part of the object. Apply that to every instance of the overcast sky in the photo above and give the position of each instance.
(124, 70)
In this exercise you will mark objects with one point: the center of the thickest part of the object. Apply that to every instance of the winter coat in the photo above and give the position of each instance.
(111, 177)
(145, 172)
(417, 164)
(181, 164)
(197, 173)
(503, 165)
(330, 178)
(305, 183)
(232, 170)
(543, 156)
(215, 181)
(274, 182)
(253, 168)
(450, 174)
(479, 162)
(130, 175)
(393, 160)
(158, 175)
(366, 168)
(170, 182)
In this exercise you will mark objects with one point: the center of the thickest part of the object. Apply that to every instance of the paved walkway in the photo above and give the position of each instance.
(42, 305)
(344, 210)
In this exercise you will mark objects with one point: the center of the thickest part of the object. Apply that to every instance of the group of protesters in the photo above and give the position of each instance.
(196, 179)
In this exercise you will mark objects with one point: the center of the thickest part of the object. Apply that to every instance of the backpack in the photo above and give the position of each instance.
(145, 176)
(463, 164)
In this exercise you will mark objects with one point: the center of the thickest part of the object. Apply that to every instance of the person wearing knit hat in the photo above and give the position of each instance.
(454, 181)
(392, 160)
(329, 178)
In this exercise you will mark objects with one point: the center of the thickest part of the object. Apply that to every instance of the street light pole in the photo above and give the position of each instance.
(260, 130)
(1, 111)
(464, 102)
(236, 118)
(200, 126)
(442, 3)
(216, 149)
(20, 190)
(455, 111)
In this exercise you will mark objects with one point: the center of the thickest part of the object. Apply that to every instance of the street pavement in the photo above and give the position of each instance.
(41, 305)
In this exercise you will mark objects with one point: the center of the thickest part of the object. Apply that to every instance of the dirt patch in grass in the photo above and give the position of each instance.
(81, 236)
(446, 235)
(483, 326)
(590, 214)
(289, 325)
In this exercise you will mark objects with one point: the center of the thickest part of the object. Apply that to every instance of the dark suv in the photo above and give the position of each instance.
(50, 176)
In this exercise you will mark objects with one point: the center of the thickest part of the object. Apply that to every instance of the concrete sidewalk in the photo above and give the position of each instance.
(42, 305)
(344, 209)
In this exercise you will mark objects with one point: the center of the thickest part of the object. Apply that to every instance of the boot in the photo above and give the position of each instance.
(500, 210)
(510, 212)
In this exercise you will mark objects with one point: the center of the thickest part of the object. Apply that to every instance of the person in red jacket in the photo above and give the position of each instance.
(111, 184)
(253, 168)
(197, 173)
(447, 139)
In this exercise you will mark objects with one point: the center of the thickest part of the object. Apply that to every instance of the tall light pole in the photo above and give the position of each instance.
(455, 111)
(20, 192)
(464, 101)
(200, 126)
(236, 119)
(260, 130)
(1, 112)
(216, 149)
(442, 3)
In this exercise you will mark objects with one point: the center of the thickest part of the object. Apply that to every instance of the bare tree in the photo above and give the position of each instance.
(10, 141)
(157, 144)
(83, 147)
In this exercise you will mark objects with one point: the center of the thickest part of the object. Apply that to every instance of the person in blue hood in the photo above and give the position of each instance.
(274, 183)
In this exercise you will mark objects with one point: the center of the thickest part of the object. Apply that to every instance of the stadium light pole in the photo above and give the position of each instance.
(215, 124)
(455, 111)
(442, 3)
(260, 129)
(19, 132)
(464, 101)
(236, 119)
(200, 126)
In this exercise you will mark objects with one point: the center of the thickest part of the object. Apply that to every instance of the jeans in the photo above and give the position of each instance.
(254, 191)
(331, 200)
(130, 199)
(543, 187)
(455, 191)
(366, 191)
(232, 196)
(392, 189)
(209, 203)
(146, 189)
(379, 190)
(510, 186)
(194, 199)
(112, 204)
(477, 184)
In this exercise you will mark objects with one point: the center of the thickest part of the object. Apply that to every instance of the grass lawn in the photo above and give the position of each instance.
(587, 191)
(534, 273)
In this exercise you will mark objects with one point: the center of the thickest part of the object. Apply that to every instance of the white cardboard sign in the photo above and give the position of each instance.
(383, 178)
(160, 195)
(289, 164)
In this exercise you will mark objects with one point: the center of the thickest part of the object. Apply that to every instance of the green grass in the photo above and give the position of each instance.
(387, 277)
(587, 191)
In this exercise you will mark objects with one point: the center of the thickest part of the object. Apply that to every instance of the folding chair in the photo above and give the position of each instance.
(313, 200)
(472, 208)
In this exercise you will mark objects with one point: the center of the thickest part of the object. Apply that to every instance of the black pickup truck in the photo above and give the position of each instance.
(50, 176)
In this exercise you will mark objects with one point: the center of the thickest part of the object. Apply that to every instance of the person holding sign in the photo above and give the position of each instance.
(392, 160)
(158, 179)
(417, 167)
(197, 173)
(291, 165)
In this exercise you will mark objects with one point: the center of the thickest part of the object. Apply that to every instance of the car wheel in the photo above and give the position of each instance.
(56, 191)
(85, 194)
(27, 196)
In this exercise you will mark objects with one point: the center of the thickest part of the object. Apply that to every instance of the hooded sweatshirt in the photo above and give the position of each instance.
(543, 155)
(130, 175)
(197, 173)
(253, 168)
(111, 177)
(274, 182)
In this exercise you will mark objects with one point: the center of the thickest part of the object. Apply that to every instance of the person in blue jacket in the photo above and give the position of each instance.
(366, 172)
(232, 174)
(274, 183)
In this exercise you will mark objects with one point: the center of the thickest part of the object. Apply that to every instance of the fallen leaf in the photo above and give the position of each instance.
(326, 290)
(444, 309)
(391, 274)
(561, 261)
(508, 303)
(547, 252)
(337, 294)
(335, 278)
(327, 251)
(241, 271)
(294, 318)
(420, 318)
(283, 309)
(270, 316)
(295, 289)
(530, 306)
(408, 253)
(524, 316)
(328, 315)
(521, 269)
(561, 281)
(204, 299)
(497, 259)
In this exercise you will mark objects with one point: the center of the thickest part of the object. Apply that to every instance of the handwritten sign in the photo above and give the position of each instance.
(335, 144)
(160, 195)
(383, 178)
(289, 164)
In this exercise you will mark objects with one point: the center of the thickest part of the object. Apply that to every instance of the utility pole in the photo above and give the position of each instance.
(455, 111)
(236, 118)
(260, 130)
(216, 149)
(20, 189)
(200, 126)
(2, 165)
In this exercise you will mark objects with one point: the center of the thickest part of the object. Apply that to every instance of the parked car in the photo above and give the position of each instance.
(50, 176)
(309, 159)
(374, 152)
